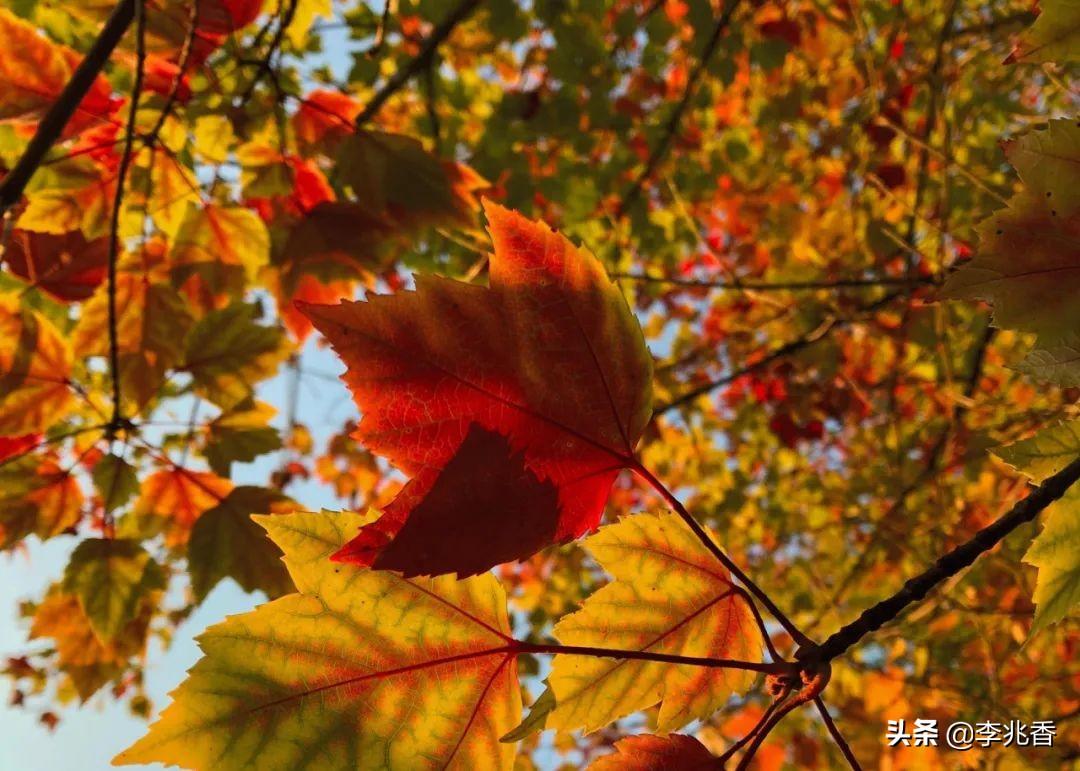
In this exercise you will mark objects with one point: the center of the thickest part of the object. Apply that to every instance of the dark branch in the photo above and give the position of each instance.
(427, 52)
(118, 203)
(834, 732)
(52, 125)
(946, 567)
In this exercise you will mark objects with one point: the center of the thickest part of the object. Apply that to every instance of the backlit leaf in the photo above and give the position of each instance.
(223, 245)
(227, 353)
(361, 669)
(115, 481)
(1055, 35)
(1046, 453)
(1056, 552)
(111, 577)
(35, 364)
(181, 497)
(676, 752)
(549, 357)
(66, 266)
(669, 596)
(1037, 293)
(226, 543)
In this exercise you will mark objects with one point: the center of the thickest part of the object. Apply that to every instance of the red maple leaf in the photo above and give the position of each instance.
(512, 406)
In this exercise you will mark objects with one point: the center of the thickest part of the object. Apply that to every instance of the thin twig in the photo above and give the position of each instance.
(834, 732)
(671, 127)
(118, 204)
(427, 51)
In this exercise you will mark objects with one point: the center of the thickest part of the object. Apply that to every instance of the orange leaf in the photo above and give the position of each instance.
(33, 72)
(182, 496)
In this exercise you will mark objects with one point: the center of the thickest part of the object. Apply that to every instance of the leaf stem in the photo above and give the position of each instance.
(667, 658)
(946, 567)
(699, 531)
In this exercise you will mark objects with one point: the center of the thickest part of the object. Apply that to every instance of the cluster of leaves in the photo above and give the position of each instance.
(773, 192)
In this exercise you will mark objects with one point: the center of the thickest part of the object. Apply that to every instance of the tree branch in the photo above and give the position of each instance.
(427, 52)
(671, 128)
(792, 347)
(946, 567)
(118, 203)
(52, 125)
(834, 732)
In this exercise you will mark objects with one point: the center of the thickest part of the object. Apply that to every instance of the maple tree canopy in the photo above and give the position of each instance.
(536, 384)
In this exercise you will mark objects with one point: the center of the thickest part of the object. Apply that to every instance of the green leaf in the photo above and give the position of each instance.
(227, 353)
(1046, 453)
(226, 543)
(111, 578)
(1059, 363)
(240, 436)
(115, 481)
(1055, 35)
(1028, 262)
(1056, 552)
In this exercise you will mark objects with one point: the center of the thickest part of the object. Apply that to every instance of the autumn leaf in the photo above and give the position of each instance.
(392, 176)
(227, 354)
(1054, 37)
(240, 436)
(115, 480)
(34, 71)
(1046, 453)
(66, 266)
(1057, 363)
(35, 365)
(222, 245)
(111, 577)
(88, 661)
(152, 319)
(37, 497)
(226, 543)
(549, 357)
(361, 669)
(669, 596)
(1042, 223)
(225, 16)
(646, 752)
(1056, 553)
(180, 496)
(73, 194)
